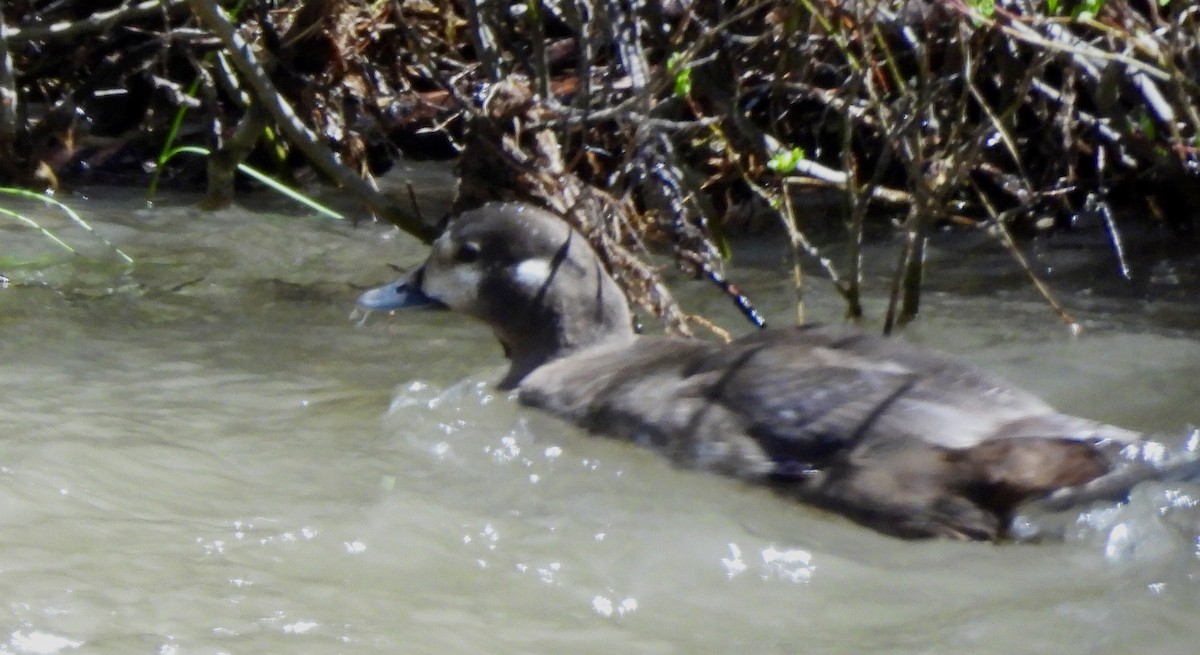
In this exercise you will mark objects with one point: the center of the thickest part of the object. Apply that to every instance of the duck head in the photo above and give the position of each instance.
(525, 273)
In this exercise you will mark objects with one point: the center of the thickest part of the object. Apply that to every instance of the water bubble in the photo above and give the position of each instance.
(1193, 440)
(794, 565)
(299, 627)
(546, 573)
(734, 564)
(41, 643)
(604, 606)
(1120, 544)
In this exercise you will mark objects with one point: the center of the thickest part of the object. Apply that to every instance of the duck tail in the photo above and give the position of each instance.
(1131, 464)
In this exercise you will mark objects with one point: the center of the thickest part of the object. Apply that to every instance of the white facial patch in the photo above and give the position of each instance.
(532, 273)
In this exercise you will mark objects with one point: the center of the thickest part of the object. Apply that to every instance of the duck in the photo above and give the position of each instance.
(910, 442)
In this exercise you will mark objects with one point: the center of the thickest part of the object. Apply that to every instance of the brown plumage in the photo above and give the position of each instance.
(908, 441)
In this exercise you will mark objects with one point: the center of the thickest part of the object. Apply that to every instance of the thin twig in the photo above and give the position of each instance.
(296, 131)
(97, 22)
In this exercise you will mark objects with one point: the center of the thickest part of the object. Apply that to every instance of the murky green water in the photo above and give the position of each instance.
(202, 454)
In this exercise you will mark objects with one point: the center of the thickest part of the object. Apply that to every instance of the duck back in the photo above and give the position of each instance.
(909, 441)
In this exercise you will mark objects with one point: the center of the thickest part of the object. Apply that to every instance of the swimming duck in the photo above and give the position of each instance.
(910, 442)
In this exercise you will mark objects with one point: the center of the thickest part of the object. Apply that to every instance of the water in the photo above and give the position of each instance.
(202, 454)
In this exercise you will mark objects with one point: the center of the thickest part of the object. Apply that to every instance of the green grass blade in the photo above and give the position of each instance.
(289, 192)
(172, 134)
(275, 185)
(26, 193)
(21, 218)
(177, 121)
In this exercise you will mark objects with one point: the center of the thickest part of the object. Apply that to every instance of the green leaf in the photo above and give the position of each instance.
(785, 161)
(683, 75)
(683, 83)
(1087, 10)
(1146, 124)
(985, 7)
(674, 62)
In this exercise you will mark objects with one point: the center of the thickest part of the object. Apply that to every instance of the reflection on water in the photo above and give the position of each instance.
(201, 453)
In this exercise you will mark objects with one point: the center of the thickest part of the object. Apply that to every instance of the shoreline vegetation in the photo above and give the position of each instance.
(676, 123)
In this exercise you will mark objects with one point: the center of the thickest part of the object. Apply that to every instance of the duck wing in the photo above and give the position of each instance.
(908, 441)
(801, 395)
(828, 388)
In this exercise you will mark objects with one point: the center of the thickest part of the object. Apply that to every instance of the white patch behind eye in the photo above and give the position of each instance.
(532, 273)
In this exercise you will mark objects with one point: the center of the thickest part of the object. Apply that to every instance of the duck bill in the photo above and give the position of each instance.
(404, 293)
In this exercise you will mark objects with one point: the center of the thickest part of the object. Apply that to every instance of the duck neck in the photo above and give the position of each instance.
(526, 360)
(570, 324)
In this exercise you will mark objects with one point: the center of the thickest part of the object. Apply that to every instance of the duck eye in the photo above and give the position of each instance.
(467, 253)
